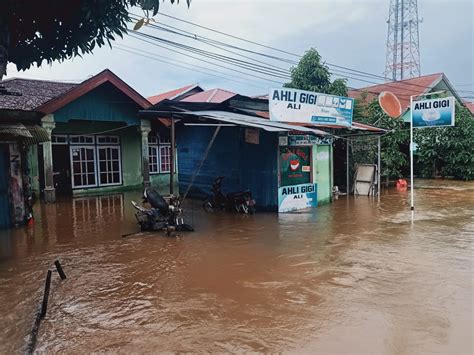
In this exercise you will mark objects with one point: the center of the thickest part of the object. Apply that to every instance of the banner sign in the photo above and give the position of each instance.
(291, 105)
(295, 165)
(296, 197)
(433, 112)
(308, 139)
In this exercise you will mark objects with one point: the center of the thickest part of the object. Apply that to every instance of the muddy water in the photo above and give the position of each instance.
(356, 276)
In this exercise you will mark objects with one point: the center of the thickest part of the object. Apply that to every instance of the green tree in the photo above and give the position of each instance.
(313, 75)
(48, 30)
(447, 151)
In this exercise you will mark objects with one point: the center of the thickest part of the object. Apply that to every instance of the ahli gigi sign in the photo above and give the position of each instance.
(433, 112)
(291, 105)
(296, 197)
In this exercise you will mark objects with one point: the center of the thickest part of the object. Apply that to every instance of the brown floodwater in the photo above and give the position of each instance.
(355, 276)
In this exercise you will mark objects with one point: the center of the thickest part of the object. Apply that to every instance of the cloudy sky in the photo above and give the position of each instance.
(346, 33)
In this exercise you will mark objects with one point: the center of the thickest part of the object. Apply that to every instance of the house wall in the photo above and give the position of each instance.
(130, 150)
(105, 103)
(244, 165)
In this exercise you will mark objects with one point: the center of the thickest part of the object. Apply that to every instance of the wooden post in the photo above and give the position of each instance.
(44, 304)
(173, 154)
(60, 270)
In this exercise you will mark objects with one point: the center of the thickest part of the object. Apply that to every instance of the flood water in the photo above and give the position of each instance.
(356, 276)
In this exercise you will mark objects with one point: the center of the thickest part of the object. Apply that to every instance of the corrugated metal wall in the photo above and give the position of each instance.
(245, 166)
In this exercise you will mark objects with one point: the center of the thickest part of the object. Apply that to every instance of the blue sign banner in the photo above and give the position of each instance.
(433, 112)
(297, 197)
(291, 105)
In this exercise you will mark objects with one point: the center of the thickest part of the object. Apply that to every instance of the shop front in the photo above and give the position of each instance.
(305, 172)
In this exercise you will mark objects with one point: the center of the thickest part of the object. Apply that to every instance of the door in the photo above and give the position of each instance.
(62, 169)
(5, 218)
(323, 173)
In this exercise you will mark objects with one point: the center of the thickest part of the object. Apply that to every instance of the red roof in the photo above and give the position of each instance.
(214, 96)
(403, 89)
(170, 94)
(470, 106)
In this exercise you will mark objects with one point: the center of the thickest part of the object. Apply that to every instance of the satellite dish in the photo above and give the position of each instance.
(390, 104)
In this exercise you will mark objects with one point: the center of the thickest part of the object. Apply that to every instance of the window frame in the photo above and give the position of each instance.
(73, 185)
(156, 142)
(113, 146)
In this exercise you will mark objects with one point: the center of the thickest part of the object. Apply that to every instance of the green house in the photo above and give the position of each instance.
(98, 144)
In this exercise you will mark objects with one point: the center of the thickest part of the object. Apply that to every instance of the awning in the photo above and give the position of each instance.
(252, 121)
(28, 134)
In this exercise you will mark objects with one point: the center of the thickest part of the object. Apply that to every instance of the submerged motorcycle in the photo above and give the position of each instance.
(163, 215)
(240, 202)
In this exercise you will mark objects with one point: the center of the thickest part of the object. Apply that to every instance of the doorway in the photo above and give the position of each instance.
(5, 221)
(62, 169)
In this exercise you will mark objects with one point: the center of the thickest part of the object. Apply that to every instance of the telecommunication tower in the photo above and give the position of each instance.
(403, 45)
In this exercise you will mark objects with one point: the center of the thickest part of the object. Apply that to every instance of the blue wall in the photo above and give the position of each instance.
(245, 166)
(105, 103)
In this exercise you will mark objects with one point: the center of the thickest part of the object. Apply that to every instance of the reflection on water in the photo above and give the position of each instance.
(355, 276)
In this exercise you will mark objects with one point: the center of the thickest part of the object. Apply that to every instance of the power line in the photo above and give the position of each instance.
(192, 69)
(294, 54)
(200, 59)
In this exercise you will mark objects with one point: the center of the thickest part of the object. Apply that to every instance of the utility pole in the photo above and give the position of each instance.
(403, 44)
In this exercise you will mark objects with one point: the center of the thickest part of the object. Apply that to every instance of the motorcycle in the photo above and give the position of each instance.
(240, 202)
(163, 214)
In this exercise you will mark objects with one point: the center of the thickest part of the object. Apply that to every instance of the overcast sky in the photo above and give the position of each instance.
(347, 33)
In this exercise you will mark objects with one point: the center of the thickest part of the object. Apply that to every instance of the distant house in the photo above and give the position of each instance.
(98, 144)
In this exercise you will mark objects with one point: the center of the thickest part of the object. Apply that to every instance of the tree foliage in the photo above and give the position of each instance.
(394, 145)
(48, 30)
(440, 151)
(447, 151)
(313, 75)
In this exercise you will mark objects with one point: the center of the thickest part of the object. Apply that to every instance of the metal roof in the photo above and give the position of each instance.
(252, 121)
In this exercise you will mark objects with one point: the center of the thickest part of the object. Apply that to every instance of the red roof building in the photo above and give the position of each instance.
(403, 89)
(176, 94)
(215, 96)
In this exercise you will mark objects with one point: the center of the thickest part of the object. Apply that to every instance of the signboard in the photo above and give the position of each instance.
(252, 135)
(296, 197)
(433, 112)
(307, 139)
(295, 165)
(291, 105)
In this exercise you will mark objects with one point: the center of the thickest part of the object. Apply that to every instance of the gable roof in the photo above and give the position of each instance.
(403, 89)
(212, 96)
(28, 94)
(173, 94)
(89, 85)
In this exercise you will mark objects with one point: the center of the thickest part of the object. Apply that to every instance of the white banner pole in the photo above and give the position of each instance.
(412, 205)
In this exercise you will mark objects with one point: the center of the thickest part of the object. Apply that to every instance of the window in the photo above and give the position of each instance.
(153, 159)
(159, 155)
(109, 165)
(59, 139)
(83, 166)
(96, 164)
(108, 140)
(165, 158)
(81, 139)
